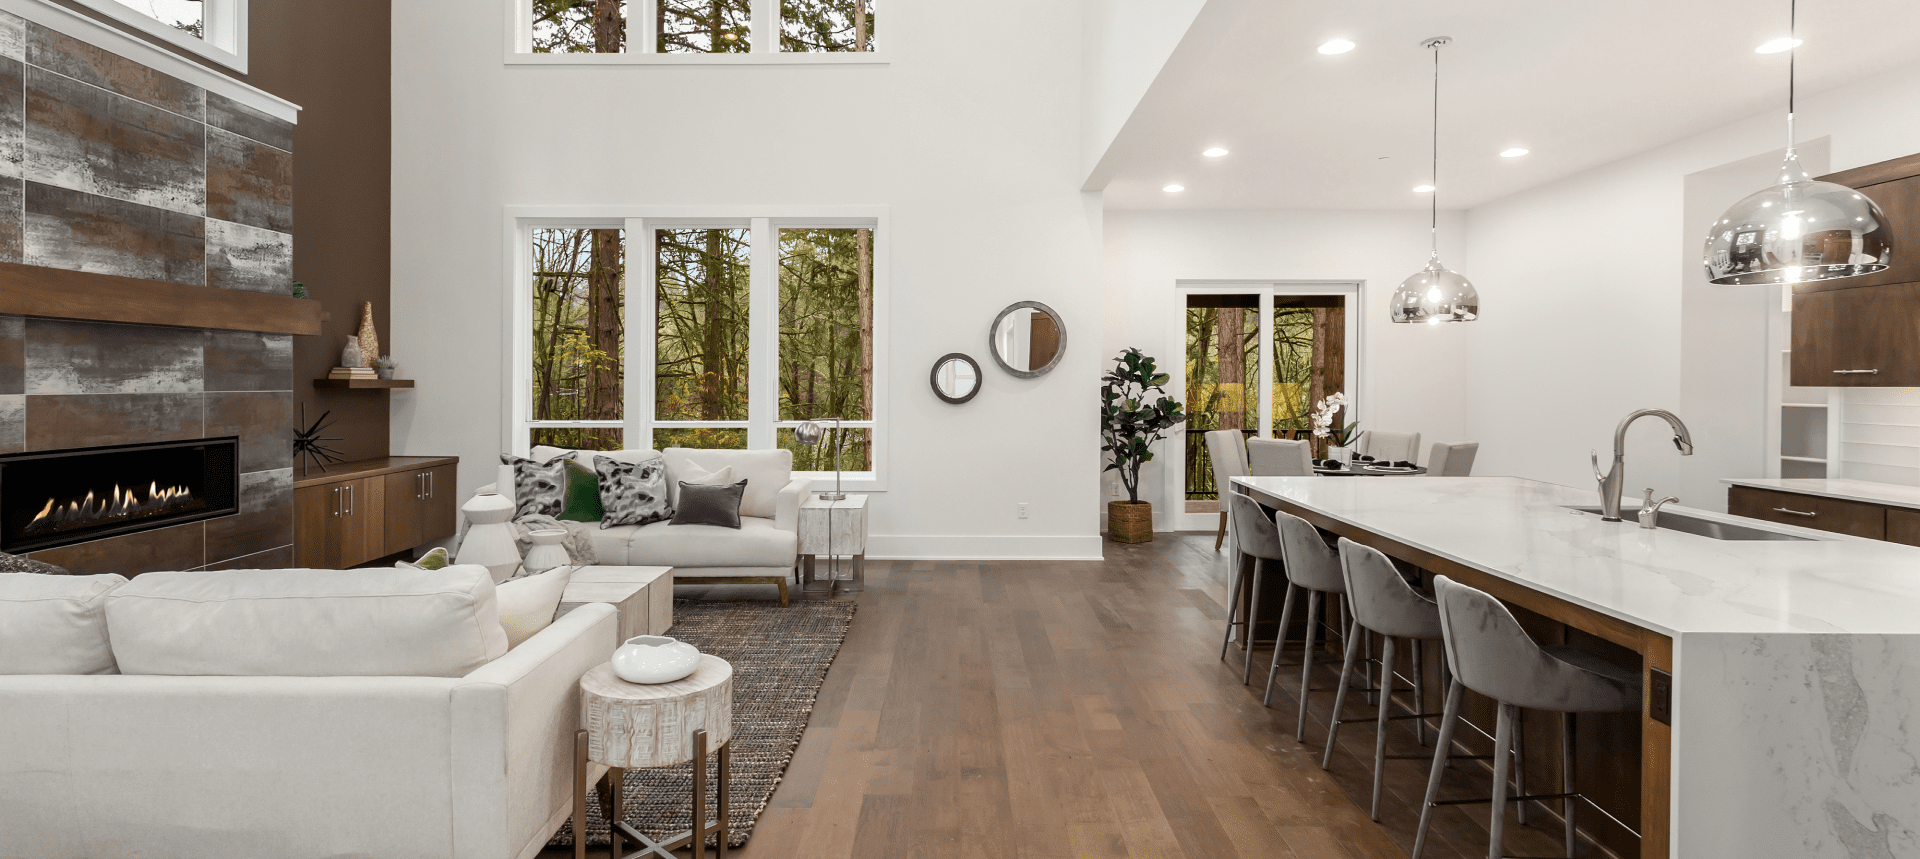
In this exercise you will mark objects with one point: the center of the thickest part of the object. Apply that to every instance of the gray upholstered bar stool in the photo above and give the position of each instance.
(1382, 602)
(1490, 654)
(1253, 534)
(1313, 568)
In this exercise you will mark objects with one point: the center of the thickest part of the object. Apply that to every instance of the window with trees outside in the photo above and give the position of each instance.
(693, 26)
(751, 328)
(214, 29)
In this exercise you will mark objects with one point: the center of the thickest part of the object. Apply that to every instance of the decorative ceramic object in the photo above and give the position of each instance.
(385, 367)
(350, 356)
(549, 550)
(653, 659)
(1342, 455)
(489, 540)
(369, 338)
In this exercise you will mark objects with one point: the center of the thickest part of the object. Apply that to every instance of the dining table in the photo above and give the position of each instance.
(1367, 470)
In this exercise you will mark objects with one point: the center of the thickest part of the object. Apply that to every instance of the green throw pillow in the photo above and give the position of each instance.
(583, 495)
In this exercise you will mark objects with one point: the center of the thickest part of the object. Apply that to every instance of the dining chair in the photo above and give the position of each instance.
(1452, 459)
(1390, 446)
(1228, 451)
(1272, 457)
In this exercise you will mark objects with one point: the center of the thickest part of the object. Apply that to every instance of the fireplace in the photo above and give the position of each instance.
(61, 497)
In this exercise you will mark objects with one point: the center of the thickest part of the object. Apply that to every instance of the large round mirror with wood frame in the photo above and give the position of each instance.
(1027, 339)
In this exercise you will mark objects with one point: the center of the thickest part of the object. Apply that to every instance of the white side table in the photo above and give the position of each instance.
(626, 725)
(644, 596)
(835, 529)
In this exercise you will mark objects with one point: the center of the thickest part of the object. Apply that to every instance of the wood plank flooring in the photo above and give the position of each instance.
(1079, 709)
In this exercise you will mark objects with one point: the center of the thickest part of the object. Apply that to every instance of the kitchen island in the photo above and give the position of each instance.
(1795, 664)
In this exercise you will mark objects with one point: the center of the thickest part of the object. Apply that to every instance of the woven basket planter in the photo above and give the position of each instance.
(1130, 522)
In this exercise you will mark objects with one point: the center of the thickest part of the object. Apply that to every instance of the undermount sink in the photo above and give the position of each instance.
(1673, 521)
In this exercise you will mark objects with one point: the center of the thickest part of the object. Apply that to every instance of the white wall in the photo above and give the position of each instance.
(977, 158)
(1126, 43)
(1581, 288)
(1412, 376)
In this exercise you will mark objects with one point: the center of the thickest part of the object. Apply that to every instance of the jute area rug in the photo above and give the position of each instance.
(780, 656)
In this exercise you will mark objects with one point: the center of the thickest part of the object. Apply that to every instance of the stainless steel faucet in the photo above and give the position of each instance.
(1615, 478)
(1650, 509)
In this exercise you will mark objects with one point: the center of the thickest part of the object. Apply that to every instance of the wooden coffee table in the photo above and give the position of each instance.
(643, 595)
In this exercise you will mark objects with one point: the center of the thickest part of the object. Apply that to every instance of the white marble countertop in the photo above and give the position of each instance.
(1667, 581)
(1890, 494)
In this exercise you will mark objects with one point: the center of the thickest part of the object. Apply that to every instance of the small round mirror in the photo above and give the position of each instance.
(1027, 339)
(956, 378)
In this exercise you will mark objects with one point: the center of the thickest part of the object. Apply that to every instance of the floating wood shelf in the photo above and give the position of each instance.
(338, 384)
(32, 290)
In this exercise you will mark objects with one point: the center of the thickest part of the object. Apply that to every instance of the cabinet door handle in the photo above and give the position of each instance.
(336, 501)
(1857, 372)
(420, 485)
(1795, 512)
(430, 486)
(349, 488)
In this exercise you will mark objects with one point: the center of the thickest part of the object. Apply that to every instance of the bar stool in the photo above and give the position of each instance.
(1490, 654)
(1312, 567)
(1253, 534)
(1384, 603)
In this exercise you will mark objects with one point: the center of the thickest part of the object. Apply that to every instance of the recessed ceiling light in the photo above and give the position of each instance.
(1215, 152)
(1423, 189)
(1784, 43)
(1174, 189)
(1515, 152)
(1335, 46)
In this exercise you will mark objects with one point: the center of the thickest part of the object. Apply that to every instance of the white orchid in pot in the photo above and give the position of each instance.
(1335, 439)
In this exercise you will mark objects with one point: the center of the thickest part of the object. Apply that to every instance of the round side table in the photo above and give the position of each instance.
(626, 725)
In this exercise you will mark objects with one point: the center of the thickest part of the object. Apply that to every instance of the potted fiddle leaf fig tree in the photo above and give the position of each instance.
(1135, 413)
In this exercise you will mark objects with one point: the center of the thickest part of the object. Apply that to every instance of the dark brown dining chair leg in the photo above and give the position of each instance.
(1221, 535)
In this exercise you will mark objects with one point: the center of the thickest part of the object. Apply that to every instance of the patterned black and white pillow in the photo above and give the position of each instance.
(633, 493)
(539, 488)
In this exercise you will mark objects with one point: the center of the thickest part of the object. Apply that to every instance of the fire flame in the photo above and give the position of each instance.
(119, 503)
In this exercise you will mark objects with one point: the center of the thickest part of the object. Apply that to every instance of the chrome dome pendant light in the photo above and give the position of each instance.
(1798, 230)
(1434, 294)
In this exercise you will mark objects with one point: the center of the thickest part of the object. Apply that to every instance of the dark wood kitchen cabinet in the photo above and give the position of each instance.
(357, 512)
(1864, 332)
(1838, 515)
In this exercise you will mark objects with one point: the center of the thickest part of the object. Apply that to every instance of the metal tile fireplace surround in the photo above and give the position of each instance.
(62, 497)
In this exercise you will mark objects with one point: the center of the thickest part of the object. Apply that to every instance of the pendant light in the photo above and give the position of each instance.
(1799, 230)
(1434, 294)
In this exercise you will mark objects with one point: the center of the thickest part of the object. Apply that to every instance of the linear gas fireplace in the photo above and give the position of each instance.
(61, 497)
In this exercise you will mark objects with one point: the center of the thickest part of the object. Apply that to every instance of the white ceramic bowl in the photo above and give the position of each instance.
(655, 659)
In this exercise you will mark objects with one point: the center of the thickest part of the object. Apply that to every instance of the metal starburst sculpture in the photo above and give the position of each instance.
(308, 446)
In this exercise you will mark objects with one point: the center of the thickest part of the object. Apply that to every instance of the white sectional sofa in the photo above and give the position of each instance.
(286, 713)
(762, 551)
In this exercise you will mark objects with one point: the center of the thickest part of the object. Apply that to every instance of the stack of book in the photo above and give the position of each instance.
(353, 373)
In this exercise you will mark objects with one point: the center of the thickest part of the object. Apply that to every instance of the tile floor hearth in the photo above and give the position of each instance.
(1076, 709)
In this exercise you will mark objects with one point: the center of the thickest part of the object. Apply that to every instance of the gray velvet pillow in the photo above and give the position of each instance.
(539, 488)
(710, 504)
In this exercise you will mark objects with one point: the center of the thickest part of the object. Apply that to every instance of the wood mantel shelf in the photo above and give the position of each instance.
(342, 384)
(32, 290)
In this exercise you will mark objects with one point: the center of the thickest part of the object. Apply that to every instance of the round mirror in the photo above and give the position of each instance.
(956, 378)
(1027, 339)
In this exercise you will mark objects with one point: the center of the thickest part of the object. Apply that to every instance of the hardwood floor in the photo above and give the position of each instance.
(1079, 709)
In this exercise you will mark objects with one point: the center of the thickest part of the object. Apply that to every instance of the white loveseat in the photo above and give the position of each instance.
(361, 713)
(762, 551)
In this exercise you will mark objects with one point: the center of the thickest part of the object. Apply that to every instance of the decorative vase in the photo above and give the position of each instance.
(1130, 521)
(1337, 453)
(489, 540)
(655, 659)
(549, 550)
(351, 356)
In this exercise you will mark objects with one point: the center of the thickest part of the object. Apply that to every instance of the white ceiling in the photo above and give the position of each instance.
(1578, 83)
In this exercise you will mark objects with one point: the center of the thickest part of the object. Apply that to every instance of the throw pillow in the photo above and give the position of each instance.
(22, 564)
(583, 495)
(539, 488)
(706, 504)
(632, 493)
(527, 604)
(434, 560)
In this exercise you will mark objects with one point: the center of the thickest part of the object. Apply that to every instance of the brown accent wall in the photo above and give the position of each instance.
(332, 58)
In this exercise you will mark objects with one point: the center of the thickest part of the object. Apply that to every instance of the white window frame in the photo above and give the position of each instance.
(223, 21)
(763, 42)
(763, 390)
(1268, 291)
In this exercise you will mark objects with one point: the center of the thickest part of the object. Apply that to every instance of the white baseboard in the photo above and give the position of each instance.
(948, 547)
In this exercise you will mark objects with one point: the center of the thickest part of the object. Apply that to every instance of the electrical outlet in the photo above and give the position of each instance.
(1022, 510)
